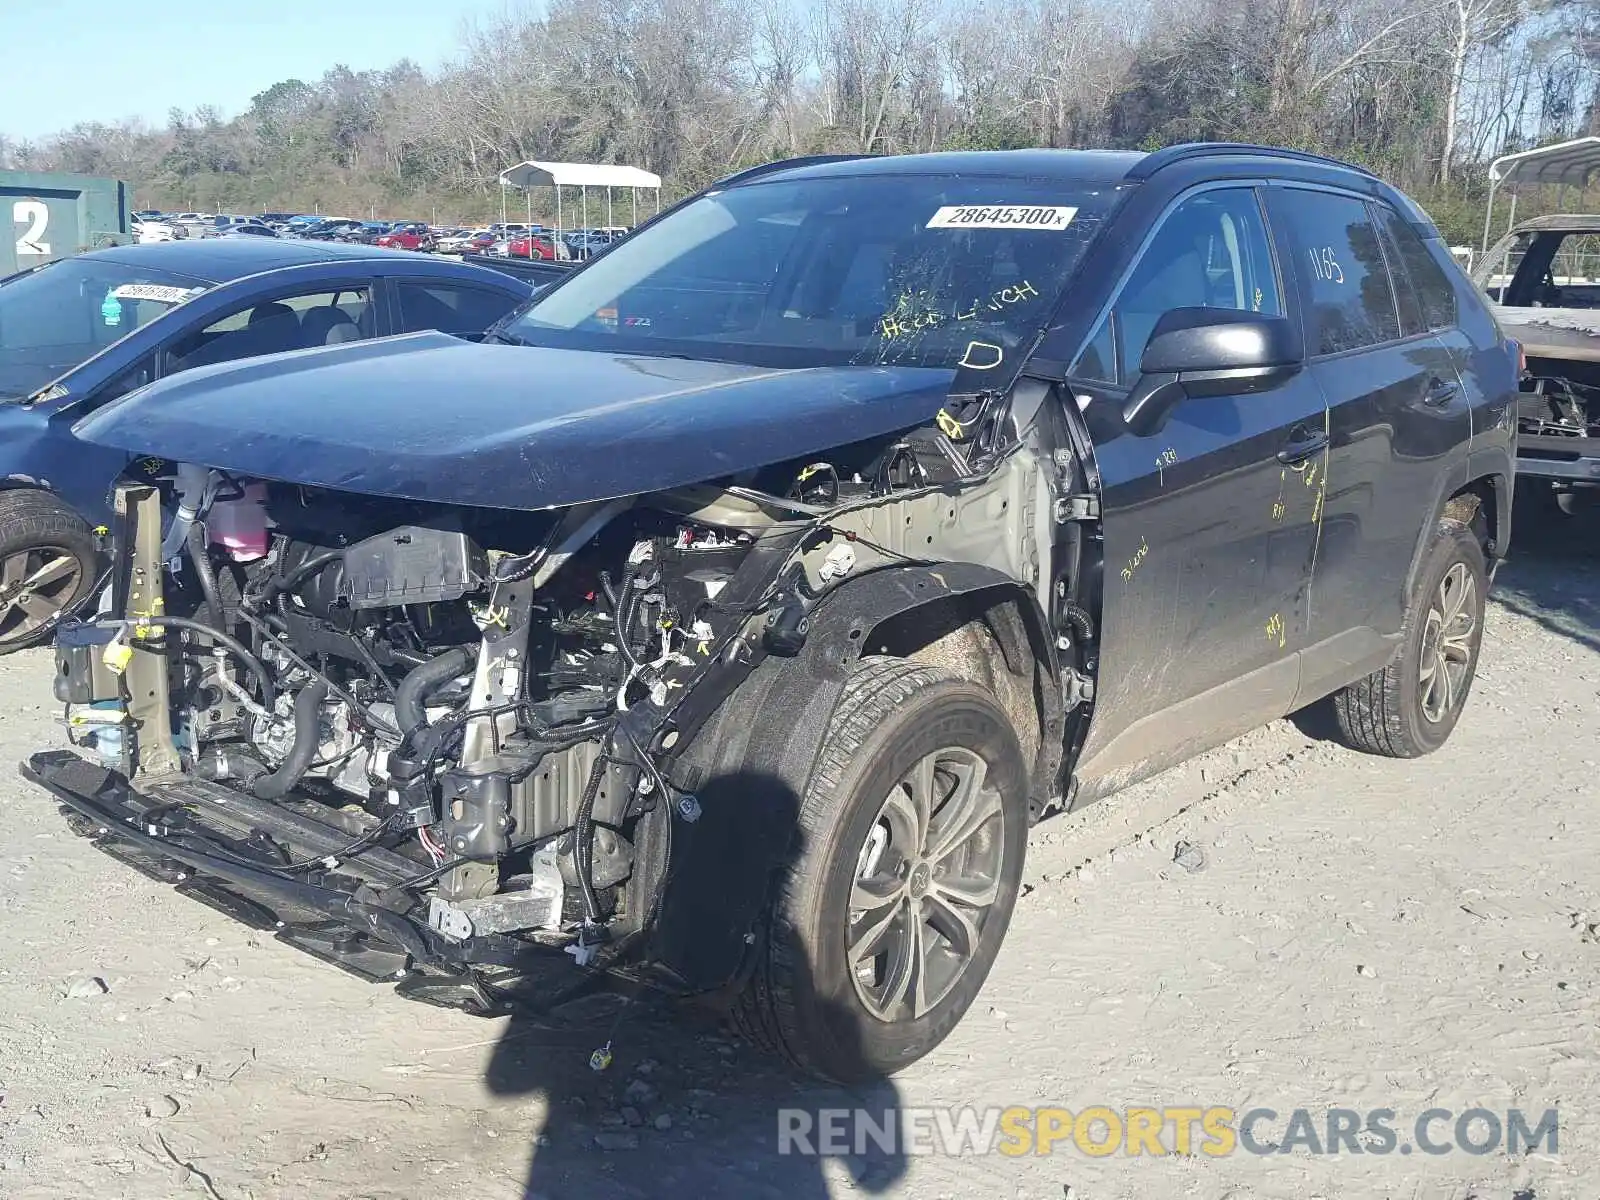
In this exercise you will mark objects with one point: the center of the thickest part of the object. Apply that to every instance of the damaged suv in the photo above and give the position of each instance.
(1544, 279)
(722, 623)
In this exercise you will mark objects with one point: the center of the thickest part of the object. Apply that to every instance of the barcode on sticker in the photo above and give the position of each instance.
(1002, 216)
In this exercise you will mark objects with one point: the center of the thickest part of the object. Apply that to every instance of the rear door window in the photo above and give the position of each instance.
(1344, 280)
(1419, 279)
(300, 321)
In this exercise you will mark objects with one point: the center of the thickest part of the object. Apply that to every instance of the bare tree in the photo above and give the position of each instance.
(1468, 25)
(870, 54)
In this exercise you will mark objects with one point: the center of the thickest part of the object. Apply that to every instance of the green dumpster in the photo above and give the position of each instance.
(47, 216)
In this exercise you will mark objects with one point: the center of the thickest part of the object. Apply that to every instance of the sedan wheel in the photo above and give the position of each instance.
(48, 563)
(35, 585)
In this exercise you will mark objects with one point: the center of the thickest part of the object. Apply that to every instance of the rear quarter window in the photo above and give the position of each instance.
(1435, 294)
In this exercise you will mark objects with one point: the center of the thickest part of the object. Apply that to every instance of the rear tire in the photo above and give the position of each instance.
(48, 563)
(1409, 708)
(911, 838)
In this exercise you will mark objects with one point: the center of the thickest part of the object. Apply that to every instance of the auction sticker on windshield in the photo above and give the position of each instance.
(161, 293)
(1012, 216)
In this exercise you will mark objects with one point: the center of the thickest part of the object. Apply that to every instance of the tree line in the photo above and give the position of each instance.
(1425, 91)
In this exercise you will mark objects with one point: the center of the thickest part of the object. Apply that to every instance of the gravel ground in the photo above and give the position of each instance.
(1347, 932)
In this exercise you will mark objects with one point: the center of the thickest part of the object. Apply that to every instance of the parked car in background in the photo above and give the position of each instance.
(370, 231)
(78, 333)
(410, 235)
(335, 229)
(251, 229)
(194, 225)
(537, 245)
(585, 243)
(150, 230)
(468, 241)
(454, 241)
(225, 222)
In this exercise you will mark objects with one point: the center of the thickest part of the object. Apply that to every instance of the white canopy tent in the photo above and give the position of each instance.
(583, 176)
(1577, 161)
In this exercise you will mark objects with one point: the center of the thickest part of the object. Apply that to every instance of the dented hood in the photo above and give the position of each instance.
(432, 417)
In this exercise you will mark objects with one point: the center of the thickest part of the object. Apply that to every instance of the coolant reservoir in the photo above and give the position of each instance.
(240, 526)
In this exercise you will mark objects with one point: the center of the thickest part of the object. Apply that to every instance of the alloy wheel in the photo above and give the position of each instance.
(35, 584)
(1447, 643)
(926, 879)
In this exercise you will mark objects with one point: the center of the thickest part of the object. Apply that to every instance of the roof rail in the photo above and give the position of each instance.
(1168, 155)
(785, 164)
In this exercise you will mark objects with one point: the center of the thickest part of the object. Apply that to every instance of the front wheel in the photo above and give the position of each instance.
(912, 831)
(1409, 708)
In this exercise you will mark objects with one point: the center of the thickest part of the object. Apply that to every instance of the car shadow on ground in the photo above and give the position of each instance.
(685, 1108)
(1552, 575)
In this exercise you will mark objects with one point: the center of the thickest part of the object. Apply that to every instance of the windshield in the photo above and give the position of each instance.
(917, 270)
(54, 318)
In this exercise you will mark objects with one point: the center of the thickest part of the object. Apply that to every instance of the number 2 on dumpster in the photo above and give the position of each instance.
(36, 217)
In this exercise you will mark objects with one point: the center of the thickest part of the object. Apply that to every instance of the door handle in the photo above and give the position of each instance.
(1302, 446)
(1440, 392)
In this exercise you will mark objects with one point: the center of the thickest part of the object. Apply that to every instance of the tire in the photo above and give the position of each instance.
(805, 1002)
(1575, 502)
(38, 533)
(1405, 710)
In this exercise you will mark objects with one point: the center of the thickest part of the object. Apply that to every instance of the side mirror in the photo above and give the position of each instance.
(1208, 352)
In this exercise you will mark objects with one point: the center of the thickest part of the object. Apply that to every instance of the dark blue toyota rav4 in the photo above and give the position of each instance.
(722, 621)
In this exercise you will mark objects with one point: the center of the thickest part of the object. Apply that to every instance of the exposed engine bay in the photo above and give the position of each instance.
(1560, 398)
(482, 701)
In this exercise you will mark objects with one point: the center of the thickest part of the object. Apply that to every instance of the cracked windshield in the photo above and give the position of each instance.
(905, 270)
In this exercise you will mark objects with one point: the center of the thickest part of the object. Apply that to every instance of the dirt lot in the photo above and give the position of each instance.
(1361, 933)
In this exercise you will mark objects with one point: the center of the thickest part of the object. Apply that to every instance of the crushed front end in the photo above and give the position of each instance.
(497, 753)
(417, 740)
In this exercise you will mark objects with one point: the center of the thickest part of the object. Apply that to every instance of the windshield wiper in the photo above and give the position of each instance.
(496, 335)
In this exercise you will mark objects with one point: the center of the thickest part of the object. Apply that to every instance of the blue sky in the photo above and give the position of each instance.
(102, 60)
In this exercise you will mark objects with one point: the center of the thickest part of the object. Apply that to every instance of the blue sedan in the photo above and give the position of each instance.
(77, 333)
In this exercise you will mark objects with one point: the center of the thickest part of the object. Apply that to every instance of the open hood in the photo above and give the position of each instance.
(431, 417)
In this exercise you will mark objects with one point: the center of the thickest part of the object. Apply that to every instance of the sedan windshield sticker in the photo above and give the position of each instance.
(1014, 216)
(159, 292)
